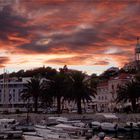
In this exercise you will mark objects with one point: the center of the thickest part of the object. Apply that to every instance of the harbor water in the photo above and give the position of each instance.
(126, 136)
(111, 132)
(113, 139)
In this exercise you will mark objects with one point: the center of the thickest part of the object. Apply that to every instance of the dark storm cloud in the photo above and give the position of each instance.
(12, 24)
(33, 48)
(85, 28)
(83, 37)
(77, 42)
(101, 34)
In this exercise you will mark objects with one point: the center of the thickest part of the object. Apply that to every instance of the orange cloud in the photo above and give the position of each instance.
(3, 61)
(89, 30)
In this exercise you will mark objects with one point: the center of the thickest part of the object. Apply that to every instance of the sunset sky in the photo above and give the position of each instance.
(88, 35)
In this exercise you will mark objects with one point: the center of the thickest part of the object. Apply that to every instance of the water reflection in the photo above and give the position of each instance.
(119, 136)
(126, 136)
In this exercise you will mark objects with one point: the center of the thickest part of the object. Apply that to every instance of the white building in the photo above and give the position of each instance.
(10, 93)
(102, 97)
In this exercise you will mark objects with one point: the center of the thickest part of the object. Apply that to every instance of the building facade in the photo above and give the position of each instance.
(102, 97)
(107, 92)
(10, 93)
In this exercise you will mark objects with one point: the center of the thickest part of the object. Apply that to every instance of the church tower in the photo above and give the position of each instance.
(137, 50)
(137, 55)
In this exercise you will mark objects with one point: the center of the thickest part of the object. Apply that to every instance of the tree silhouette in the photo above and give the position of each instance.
(33, 89)
(80, 89)
(57, 88)
(129, 92)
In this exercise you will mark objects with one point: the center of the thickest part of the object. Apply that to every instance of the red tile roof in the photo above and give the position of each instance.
(122, 76)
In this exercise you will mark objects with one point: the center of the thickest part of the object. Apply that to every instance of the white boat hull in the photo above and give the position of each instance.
(28, 137)
(108, 127)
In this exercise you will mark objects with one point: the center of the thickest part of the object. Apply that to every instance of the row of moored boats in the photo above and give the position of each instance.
(60, 128)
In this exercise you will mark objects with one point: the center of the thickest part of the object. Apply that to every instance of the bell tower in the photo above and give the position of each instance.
(137, 50)
(137, 55)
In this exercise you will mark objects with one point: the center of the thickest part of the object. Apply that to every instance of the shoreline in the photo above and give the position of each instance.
(36, 117)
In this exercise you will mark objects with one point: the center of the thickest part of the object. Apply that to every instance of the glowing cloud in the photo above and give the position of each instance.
(87, 34)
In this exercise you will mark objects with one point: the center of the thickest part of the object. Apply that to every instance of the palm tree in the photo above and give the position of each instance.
(80, 89)
(46, 95)
(137, 76)
(129, 92)
(57, 88)
(33, 90)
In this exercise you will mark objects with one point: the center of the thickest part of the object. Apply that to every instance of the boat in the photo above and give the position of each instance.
(32, 137)
(96, 125)
(51, 132)
(13, 134)
(59, 132)
(56, 135)
(72, 129)
(30, 133)
(79, 124)
(128, 127)
(25, 128)
(57, 120)
(43, 132)
(7, 123)
(110, 127)
(132, 126)
(7, 129)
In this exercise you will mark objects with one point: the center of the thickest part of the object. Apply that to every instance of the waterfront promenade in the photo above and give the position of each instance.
(35, 118)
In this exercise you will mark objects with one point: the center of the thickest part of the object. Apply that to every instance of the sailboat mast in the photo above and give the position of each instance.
(5, 90)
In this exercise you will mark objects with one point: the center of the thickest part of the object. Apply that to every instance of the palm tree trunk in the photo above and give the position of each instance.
(36, 105)
(58, 104)
(133, 102)
(79, 106)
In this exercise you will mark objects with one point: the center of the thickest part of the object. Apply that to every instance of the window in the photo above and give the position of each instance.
(13, 97)
(15, 85)
(10, 85)
(19, 98)
(112, 86)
